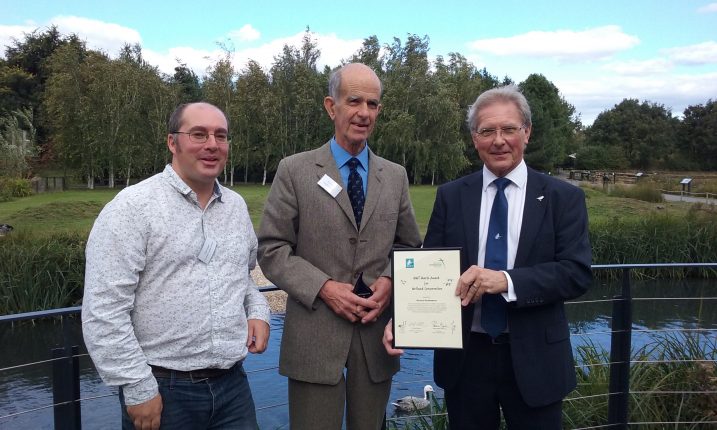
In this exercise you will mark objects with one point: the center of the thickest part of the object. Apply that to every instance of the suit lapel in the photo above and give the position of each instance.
(326, 165)
(470, 208)
(536, 204)
(373, 188)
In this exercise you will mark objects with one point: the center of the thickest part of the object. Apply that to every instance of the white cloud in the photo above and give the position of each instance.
(676, 92)
(701, 53)
(639, 68)
(593, 43)
(709, 8)
(245, 34)
(333, 50)
(104, 36)
(10, 32)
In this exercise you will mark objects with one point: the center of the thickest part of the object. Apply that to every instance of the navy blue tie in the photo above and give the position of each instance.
(493, 308)
(355, 190)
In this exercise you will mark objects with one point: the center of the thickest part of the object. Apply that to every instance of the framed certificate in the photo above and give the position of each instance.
(426, 311)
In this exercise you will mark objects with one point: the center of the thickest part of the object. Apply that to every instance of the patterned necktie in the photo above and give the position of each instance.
(493, 307)
(355, 190)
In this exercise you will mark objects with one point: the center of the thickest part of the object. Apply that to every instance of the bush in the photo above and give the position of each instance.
(14, 187)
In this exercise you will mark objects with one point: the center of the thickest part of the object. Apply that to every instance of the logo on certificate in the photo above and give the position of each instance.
(409, 263)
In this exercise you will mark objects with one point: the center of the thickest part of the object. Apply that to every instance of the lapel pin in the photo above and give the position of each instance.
(540, 199)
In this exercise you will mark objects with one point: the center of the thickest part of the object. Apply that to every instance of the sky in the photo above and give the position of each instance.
(596, 53)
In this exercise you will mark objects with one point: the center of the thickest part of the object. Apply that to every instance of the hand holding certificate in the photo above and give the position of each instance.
(426, 310)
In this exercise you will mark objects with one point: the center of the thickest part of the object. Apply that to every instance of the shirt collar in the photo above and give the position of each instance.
(178, 184)
(342, 156)
(518, 176)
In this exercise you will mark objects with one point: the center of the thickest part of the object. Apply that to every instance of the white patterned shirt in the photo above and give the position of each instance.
(149, 299)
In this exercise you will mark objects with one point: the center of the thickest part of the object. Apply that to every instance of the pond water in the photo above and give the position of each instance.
(28, 388)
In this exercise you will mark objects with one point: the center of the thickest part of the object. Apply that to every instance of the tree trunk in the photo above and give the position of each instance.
(111, 180)
(129, 172)
(90, 182)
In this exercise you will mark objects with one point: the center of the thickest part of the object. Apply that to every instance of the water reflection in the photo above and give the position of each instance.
(26, 388)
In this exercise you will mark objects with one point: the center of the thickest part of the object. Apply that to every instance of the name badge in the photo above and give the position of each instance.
(329, 185)
(207, 251)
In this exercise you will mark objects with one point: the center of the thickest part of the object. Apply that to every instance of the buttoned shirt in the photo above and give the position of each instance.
(342, 157)
(515, 195)
(150, 298)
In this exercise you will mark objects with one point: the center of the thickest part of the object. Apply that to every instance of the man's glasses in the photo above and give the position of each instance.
(220, 137)
(508, 131)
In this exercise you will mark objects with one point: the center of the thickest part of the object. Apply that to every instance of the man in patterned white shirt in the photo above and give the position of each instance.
(170, 310)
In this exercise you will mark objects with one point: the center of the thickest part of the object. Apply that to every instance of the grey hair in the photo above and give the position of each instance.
(507, 93)
(335, 82)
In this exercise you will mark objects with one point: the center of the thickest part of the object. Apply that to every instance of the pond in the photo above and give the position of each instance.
(29, 387)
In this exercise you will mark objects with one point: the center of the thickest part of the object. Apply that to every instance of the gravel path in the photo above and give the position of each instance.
(276, 299)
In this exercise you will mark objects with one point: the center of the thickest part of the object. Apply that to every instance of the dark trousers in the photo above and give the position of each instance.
(224, 402)
(487, 386)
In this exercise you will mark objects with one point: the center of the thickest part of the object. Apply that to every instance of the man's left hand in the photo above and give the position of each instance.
(381, 295)
(477, 281)
(258, 336)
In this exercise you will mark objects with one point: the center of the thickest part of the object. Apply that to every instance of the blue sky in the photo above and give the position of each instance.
(596, 53)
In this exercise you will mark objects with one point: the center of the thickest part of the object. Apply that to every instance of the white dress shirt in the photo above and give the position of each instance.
(515, 194)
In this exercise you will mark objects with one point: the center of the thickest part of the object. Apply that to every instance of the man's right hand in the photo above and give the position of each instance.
(341, 299)
(147, 415)
(388, 340)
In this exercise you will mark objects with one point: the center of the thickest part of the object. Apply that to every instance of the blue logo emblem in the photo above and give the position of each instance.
(409, 263)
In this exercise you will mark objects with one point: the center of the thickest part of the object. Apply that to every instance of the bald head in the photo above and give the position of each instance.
(351, 69)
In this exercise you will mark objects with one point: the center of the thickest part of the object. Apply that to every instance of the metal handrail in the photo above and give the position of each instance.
(619, 361)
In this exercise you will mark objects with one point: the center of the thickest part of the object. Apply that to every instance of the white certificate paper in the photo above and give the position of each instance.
(426, 311)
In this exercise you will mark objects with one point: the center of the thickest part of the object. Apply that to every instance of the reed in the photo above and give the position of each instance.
(40, 272)
(656, 238)
(645, 190)
(673, 378)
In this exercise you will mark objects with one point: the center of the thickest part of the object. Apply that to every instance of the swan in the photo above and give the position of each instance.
(412, 403)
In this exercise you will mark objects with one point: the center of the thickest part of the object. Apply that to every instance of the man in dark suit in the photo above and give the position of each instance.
(524, 368)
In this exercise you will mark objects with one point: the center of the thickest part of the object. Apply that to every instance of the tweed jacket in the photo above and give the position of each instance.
(307, 237)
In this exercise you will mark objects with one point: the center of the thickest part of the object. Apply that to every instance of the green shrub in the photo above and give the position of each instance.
(14, 187)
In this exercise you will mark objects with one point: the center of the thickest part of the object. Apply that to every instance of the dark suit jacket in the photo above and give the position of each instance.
(308, 237)
(552, 265)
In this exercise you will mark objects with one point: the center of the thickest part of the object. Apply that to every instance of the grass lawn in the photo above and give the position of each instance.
(76, 210)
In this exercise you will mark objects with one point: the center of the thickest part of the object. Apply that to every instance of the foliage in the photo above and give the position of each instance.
(643, 190)
(697, 134)
(14, 187)
(656, 238)
(40, 272)
(645, 131)
(17, 142)
(670, 378)
(554, 123)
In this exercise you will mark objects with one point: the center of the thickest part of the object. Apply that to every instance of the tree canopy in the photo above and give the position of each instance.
(104, 118)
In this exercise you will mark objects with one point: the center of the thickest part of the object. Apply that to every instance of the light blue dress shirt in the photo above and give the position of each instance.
(341, 156)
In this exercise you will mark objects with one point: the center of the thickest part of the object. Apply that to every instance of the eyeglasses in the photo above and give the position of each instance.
(508, 131)
(221, 137)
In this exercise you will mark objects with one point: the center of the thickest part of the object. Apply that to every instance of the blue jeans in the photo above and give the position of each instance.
(218, 403)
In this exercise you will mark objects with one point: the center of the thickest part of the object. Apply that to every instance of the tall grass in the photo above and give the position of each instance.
(644, 190)
(40, 272)
(672, 378)
(656, 238)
